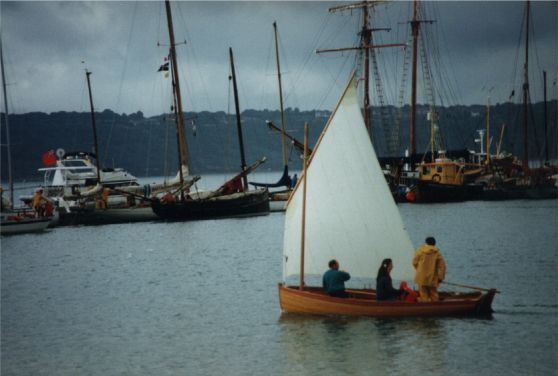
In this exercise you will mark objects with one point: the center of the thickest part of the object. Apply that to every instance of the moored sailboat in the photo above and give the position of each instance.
(15, 220)
(231, 199)
(359, 228)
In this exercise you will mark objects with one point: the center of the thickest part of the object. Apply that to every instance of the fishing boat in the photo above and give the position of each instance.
(443, 179)
(15, 220)
(359, 228)
(233, 198)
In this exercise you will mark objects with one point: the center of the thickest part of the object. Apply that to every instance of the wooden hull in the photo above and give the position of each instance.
(363, 303)
(27, 225)
(235, 205)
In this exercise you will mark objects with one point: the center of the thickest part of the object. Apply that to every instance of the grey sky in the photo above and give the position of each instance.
(45, 43)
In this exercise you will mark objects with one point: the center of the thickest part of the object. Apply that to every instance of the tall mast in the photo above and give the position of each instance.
(95, 143)
(365, 45)
(183, 150)
(178, 135)
(283, 138)
(526, 93)
(303, 224)
(8, 144)
(545, 120)
(415, 29)
(415, 26)
(487, 131)
(238, 124)
(366, 36)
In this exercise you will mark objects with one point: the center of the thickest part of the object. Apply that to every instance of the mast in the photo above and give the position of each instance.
(488, 131)
(526, 94)
(415, 29)
(545, 120)
(238, 124)
(8, 144)
(95, 143)
(366, 36)
(303, 230)
(174, 108)
(501, 138)
(415, 25)
(283, 138)
(365, 45)
(183, 149)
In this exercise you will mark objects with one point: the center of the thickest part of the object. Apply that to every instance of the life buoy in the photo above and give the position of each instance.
(410, 196)
(436, 178)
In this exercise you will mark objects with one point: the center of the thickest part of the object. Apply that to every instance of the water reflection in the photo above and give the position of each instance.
(356, 345)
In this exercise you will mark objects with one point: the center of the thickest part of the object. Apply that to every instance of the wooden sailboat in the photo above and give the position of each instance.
(230, 200)
(15, 220)
(358, 228)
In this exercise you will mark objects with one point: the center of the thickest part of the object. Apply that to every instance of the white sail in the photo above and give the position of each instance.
(350, 213)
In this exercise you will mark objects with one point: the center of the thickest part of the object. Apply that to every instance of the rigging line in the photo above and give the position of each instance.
(77, 126)
(534, 128)
(122, 76)
(444, 76)
(311, 52)
(335, 80)
(514, 77)
(148, 151)
(201, 76)
(285, 72)
(166, 124)
(159, 21)
(533, 44)
(266, 82)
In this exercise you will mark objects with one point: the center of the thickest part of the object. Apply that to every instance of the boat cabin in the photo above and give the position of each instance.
(442, 171)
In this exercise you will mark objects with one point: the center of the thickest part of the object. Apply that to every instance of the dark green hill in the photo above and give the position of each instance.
(147, 146)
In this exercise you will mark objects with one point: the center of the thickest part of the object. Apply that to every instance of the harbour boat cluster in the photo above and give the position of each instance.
(363, 221)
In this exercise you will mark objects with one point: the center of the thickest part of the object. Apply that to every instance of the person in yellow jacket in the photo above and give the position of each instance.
(38, 202)
(430, 270)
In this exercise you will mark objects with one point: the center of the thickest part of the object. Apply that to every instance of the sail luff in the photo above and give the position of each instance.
(320, 138)
(303, 227)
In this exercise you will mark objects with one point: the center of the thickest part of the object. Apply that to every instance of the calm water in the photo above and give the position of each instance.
(200, 298)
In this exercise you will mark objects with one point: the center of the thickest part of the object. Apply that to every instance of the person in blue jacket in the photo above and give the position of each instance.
(384, 286)
(334, 279)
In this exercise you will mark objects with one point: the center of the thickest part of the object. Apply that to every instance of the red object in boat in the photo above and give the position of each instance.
(410, 196)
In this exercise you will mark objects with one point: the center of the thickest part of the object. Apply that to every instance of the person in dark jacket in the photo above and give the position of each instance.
(334, 279)
(384, 286)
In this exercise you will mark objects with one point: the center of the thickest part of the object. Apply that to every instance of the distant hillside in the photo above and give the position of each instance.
(147, 146)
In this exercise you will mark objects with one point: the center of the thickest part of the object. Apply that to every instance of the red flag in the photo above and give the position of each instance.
(49, 158)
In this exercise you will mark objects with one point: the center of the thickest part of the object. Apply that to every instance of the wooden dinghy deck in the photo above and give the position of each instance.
(314, 300)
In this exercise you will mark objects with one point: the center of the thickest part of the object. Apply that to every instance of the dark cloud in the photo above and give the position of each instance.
(45, 42)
